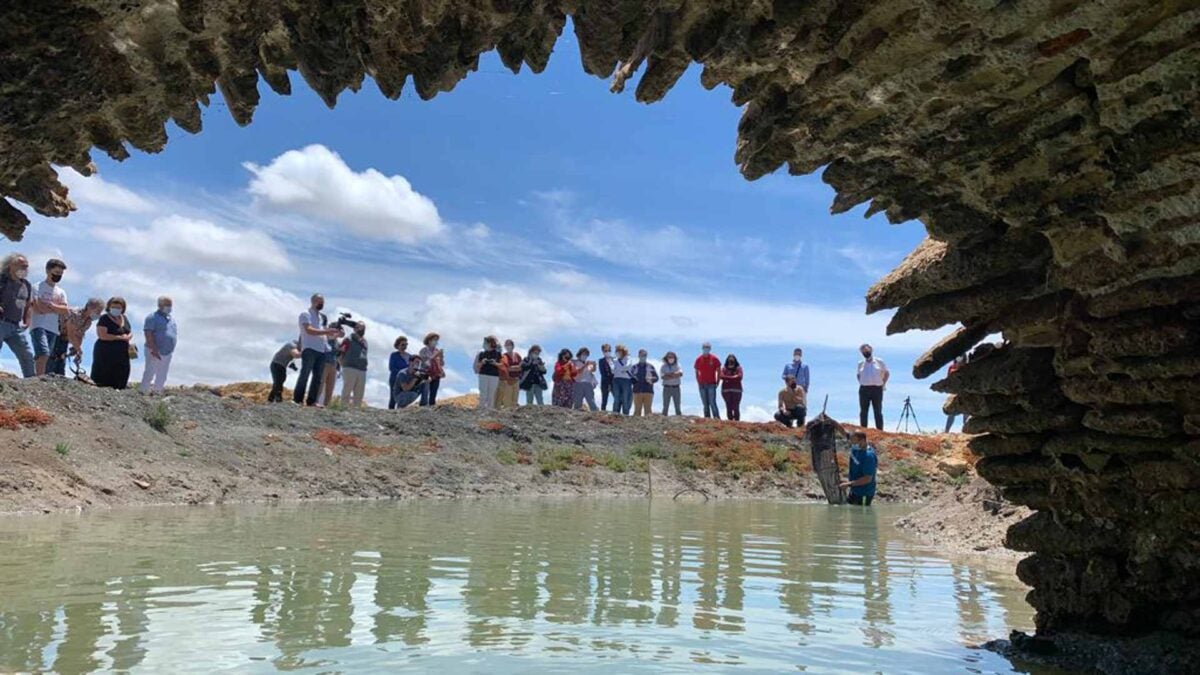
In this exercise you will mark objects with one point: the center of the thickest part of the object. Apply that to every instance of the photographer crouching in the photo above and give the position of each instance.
(280, 363)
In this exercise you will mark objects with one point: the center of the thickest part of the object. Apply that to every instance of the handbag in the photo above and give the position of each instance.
(133, 351)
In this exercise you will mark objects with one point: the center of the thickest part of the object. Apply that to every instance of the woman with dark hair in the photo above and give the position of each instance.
(433, 364)
(111, 355)
(397, 363)
(731, 387)
(487, 367)
(533, 376)
(564, 380)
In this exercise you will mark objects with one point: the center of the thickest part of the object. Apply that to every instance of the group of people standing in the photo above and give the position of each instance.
(44, 331)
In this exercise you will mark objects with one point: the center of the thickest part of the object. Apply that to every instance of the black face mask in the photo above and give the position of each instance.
(56, 277)
(319, 306)
(866, 355)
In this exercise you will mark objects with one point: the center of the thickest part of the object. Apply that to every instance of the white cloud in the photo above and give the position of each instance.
(94, 191)
(315, 182)
(871, 262)
(618, 242)
(569, 278)
(465, 317)
(478, 231)
(178, 240)
(756, 413)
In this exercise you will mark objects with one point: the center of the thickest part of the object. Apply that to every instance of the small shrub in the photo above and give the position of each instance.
(559, 459)
(614, 462)
(335, 438)
(336, 404)
(959, 480)
(506, 456)
(63, 449)
(32, 417)
(159, 417)
(928, 446)
(489, 425)
(909, 472)
(648, 451)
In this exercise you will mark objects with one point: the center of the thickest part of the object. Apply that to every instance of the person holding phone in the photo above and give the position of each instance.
(487, 367)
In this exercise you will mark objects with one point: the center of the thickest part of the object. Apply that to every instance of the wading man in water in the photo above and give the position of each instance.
(862, 470)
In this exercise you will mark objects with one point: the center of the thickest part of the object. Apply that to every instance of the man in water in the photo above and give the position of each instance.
(862, 470)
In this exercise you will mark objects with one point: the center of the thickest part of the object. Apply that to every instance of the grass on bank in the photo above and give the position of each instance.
(160, 417)
(62, 448)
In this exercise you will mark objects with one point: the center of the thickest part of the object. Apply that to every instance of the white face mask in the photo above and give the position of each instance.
(115, 312)
(433, 344)
(706, 350)
(165, 309)
(641, 359)
(795, 359)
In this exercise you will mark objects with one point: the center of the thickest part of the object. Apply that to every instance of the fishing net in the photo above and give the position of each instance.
(822, 433)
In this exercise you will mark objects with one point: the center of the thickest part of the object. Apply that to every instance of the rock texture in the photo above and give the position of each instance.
(1051, 147)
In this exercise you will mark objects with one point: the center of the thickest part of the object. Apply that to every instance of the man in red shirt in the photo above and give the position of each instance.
(708, 374)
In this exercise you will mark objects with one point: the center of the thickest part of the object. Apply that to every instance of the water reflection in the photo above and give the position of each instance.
(493, 586)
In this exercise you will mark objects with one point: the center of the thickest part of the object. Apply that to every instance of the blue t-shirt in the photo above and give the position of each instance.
(863, 463)
(164, 330)
(396, 364)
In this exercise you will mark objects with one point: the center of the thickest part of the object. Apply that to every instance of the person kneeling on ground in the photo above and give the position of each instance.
(862, 470)
(793, 404)
(409, 383)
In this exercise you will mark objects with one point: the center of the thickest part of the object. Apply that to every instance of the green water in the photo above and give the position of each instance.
(494, 586)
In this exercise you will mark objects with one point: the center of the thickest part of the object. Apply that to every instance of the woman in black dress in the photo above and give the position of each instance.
(110, 356)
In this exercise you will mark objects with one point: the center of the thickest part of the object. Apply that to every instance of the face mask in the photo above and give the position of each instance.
(671, 361)
(55, 278)
(115, 312)
(319, 306)
(867, 355)
(165, 309)
(641, 359)
(535, 355)
(433, 344)
(21, 274)
(795, 359)
(607, 352)
(486, 344)
(707, 350)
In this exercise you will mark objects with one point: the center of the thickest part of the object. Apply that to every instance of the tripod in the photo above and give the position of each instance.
(908, 414)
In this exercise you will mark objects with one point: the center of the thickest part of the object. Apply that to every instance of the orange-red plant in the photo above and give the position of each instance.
(24, 416)
(488, 425)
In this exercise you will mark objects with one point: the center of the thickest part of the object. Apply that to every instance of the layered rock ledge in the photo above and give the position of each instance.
(1051, 148)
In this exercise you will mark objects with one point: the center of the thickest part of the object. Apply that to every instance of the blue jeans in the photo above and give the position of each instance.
(708, 396)
(312, 364)
(429, 393)
(13, 335)
(57, 364)
(622, 395)
(43, 341)
(533, 396)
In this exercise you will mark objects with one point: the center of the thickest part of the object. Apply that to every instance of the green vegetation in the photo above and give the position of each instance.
(506, 456)
(648, 451)
(556, 459)
(781, 456)
(615, 462)
(909, 472)
(959, 480)
(63, 449)
(336, 404)
(160, 417)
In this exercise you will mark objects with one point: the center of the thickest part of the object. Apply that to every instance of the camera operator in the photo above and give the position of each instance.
(354, 366)
(410, 382)
(279, 366)
(315, 333)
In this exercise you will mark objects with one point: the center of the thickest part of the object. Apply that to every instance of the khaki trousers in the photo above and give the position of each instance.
(506, 394)
(642, 404)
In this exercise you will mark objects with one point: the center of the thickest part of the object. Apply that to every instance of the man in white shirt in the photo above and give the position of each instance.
(49, 303)
(872, 379)
(314, 344)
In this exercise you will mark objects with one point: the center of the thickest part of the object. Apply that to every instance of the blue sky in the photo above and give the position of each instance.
(539, 207)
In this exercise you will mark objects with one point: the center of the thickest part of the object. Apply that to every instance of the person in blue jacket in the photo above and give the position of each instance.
(863, 464)
(797, 369)
(397, 363)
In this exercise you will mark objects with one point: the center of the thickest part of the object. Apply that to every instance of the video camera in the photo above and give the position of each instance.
(344, 320)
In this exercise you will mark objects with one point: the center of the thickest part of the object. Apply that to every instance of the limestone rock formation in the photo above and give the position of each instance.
(1051, 147)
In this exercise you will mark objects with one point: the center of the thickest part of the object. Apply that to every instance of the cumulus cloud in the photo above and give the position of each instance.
(178, 240)
(94, 191)
(316, 183)
(464, 317)
(569, 278)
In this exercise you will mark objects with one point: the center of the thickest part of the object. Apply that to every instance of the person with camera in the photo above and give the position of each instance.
(584, 390)
(533, 376)
(433, 366)
(16, 309)
(510, 376)
(410, 383)
(114, 349)
(279, 366)
(397, 363)
(564, 379)
(315, 334)
(487, 367)
(354, 366)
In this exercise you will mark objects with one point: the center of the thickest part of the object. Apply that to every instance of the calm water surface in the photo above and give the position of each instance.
(495, 586)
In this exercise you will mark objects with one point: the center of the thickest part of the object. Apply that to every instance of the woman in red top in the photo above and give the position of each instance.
(731, 387)
(564, 380)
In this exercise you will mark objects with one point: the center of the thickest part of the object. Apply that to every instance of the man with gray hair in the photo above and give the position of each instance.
(161, 334)
(16, 309)
(72, 326)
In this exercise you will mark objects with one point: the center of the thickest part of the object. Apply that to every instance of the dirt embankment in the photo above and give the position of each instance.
(971, 519)
(64, 445)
